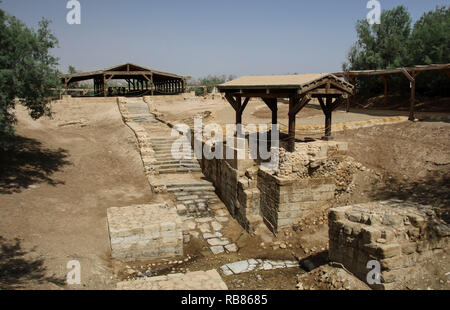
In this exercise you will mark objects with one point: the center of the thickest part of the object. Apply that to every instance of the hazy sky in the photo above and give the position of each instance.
(201, 37)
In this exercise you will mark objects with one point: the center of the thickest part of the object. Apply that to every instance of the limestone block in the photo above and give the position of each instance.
(144, 232)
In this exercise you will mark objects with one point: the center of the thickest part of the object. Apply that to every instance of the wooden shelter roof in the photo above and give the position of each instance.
(421, 68)
(285, 84)
(120, 72)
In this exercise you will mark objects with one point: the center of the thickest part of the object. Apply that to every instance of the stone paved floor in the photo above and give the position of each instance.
(255, 265)
(198, 280)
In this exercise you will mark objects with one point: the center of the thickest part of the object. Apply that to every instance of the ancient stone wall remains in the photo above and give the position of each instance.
(284, 201)
(145, 231)
(397, 234)
(280, 197)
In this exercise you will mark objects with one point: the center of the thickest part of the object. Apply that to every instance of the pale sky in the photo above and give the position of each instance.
(201, 37)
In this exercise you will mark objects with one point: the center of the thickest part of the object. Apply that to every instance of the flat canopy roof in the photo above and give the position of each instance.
(123, 71)
(297, 81)
(421, 68)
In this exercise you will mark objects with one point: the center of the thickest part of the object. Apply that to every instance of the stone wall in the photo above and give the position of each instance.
(280, 197)
(284, 201)
(226, 181)
(399, 235)
(144, 232)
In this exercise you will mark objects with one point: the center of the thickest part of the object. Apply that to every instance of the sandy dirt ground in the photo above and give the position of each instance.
(55, 187)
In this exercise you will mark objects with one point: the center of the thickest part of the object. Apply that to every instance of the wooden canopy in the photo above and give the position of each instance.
(330, 91)
(141, 80)
(411, 73)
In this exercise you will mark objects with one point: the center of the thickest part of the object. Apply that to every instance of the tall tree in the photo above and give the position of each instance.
(381, 46)
(430, 44)
(27, 70)
(392, 44)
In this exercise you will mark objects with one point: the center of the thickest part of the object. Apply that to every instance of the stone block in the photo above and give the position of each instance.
(144, 232)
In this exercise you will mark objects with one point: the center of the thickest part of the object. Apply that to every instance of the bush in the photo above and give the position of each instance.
(210, 82)
(27, 71)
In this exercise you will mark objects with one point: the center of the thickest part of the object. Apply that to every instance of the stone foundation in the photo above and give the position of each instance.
(285, 201)
(145, 232)
(399, 235)
(280, 197)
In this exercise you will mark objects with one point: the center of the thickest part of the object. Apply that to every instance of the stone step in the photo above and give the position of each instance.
(175, 161)
(179, 170)
(159, 167)
(161, 158)
(198, 184)
(207, 188)
(163, 140)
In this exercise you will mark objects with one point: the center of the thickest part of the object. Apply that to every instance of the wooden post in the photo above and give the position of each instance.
(327, 110)
(104, 85)
(293, 101)
(238, 110)
(275, 112)
(385, 89)
(352, 80)
(272, 103)
(413, 100)
(412, 80)
(328, 115)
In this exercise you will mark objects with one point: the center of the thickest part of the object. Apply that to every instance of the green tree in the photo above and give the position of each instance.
(212, 81)
(430, 44)
(72, 70)
(430, 39)
(393, 44)
(27, 70)
(381, 46)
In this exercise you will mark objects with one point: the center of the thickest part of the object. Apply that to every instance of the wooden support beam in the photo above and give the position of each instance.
(301, 104)
(349, 100)
(293, 103)
(328, 114)
(384, 77)
(244, 105)
(263, 95)
(413, 101)
(104, 85)
(273, 106)
(327, 84)
(109, 79)
(238, 110)
(407, 74)
(231, 100)
(327, 108)
(411, 77)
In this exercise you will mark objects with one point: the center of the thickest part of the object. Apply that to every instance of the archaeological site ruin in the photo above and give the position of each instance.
(242, 167)
(198, 197)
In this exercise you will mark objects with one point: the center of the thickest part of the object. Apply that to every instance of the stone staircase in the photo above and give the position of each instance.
(140, 113)
(194, 198)
(166, 163)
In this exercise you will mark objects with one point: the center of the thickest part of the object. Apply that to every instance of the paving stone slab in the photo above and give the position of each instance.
(198, 280)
